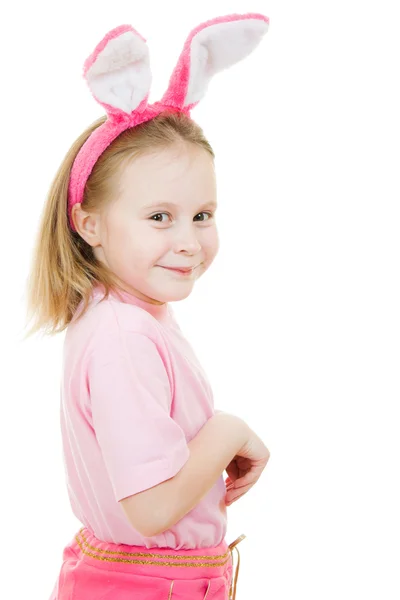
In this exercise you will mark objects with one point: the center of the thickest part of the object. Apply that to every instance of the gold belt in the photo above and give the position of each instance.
(235, 574)
(145, 559)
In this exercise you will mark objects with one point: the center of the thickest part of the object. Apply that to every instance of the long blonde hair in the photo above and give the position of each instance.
(64, 268)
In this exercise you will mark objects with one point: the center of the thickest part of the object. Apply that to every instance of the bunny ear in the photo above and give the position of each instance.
(211, 47)
(118, 71)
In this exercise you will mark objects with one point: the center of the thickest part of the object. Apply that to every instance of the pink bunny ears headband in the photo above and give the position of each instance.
(119, 77)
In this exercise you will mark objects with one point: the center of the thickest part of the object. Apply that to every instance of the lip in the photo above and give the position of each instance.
(182, 271)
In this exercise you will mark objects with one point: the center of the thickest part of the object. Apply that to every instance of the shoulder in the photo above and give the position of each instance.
(108, 319)
(115, 316)
(125, 335)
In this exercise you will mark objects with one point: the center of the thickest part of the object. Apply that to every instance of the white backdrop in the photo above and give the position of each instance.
(297, 321)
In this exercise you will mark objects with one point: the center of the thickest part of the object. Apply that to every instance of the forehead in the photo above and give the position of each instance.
(169, 175)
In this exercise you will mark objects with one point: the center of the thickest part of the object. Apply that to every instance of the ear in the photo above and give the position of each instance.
(211, 47)
(86, 224)
(118, 71)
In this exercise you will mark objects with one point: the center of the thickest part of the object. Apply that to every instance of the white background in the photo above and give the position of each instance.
(296, 322)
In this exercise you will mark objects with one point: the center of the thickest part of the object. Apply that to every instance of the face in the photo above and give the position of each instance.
(163, 217)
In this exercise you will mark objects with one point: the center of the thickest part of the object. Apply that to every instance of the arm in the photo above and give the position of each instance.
(157, 509)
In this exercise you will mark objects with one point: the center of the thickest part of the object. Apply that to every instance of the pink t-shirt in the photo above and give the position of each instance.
(133, 394)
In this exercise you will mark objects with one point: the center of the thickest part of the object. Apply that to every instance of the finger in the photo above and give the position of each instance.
(251, 477)
(234, 494)
(230, 501)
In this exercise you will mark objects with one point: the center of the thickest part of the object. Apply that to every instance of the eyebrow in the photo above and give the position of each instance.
(172, 205)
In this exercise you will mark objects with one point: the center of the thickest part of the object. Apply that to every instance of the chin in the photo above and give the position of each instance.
(175, 295)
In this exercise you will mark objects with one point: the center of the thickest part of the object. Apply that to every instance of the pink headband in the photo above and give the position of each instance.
(119, 78)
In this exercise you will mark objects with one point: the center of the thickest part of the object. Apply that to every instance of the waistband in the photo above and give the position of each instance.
(181, 564)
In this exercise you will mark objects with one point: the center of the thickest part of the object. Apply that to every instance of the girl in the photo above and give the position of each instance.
(128, 227)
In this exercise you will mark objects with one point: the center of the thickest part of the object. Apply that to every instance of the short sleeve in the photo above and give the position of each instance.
(130, 399)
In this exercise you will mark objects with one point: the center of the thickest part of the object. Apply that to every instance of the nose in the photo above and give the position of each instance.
(187, 240)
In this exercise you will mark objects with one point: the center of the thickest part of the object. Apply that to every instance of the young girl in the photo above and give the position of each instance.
(128, 227)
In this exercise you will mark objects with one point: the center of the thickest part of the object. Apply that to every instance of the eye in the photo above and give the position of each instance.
(207, 213)
(157, 215)
(201, 213)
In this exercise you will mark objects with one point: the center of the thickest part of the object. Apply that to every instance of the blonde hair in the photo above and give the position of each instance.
(64, 268)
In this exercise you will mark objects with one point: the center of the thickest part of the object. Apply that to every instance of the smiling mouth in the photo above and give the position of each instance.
(182, 271)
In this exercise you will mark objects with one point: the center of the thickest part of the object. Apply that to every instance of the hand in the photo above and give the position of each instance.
(245, 468)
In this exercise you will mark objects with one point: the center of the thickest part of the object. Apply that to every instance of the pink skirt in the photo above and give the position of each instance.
(96, 570)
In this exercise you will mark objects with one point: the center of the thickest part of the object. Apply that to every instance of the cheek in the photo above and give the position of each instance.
(142, 245)
(211, 242)
(122, 246)
(210, 246)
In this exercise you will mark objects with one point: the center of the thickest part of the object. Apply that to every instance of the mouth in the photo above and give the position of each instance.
(182, 271)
